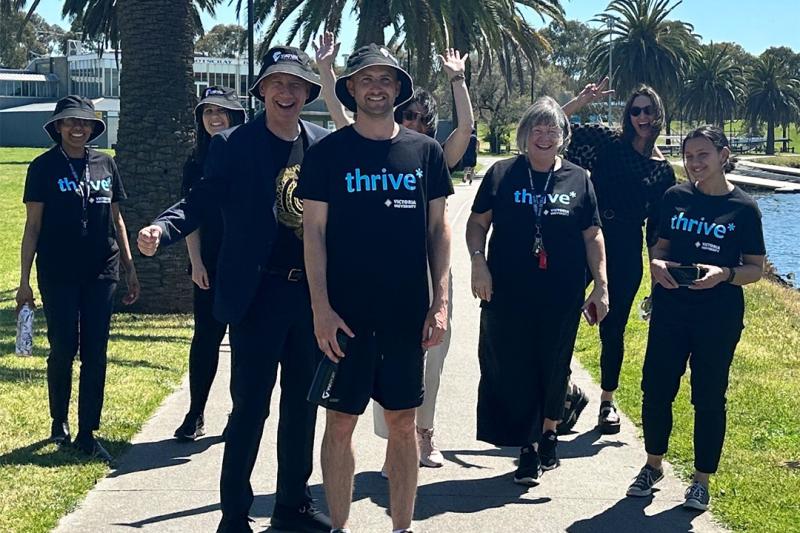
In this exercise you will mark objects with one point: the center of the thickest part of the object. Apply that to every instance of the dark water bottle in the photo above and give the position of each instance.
(320, 391)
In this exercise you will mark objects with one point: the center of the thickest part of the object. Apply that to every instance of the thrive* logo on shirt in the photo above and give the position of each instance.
(385, 181)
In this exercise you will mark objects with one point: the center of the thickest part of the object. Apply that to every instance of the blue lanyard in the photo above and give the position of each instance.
(84, 189)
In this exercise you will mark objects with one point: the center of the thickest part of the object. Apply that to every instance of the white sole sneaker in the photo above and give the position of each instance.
(695, 504)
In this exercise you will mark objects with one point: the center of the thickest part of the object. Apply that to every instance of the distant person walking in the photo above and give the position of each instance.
(470, 159)
(630, 176)
(710, 243)
(76, 232)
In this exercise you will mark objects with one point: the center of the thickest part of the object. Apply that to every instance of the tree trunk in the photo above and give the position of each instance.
(155, 135)
(373, 18)
(770, 148)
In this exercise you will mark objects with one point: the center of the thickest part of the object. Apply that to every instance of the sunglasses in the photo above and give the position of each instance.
(411, 116)
(636, 110)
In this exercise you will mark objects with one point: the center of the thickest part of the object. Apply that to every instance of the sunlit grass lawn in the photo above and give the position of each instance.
(757, 487)
(147, 359)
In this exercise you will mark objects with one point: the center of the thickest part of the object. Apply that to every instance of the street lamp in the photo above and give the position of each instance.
(250, 57)
(610, 24)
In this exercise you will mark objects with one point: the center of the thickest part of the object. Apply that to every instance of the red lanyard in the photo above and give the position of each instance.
(538, 206)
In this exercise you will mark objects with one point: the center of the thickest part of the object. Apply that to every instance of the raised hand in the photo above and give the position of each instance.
(326, 50)
(595, 91)
(453, 62)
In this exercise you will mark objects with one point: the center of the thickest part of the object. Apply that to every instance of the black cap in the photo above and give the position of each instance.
(74, 106)
(370, 56)
(288, 60)
(222, 97)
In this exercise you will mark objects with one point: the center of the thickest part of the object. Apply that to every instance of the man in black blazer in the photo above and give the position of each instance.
(251, 173)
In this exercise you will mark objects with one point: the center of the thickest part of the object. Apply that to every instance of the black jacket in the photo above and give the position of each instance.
(235, 182)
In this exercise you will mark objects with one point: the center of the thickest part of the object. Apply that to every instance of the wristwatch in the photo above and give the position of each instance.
(475, 252)
(731, 274)
(457, 78)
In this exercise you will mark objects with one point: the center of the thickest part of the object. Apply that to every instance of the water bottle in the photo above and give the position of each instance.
(25, 330)
(320, 391)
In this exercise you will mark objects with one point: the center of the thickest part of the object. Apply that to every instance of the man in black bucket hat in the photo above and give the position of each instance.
(251, 174)
(374, 221)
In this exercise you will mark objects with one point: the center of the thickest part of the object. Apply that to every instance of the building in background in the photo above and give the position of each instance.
(26, 94)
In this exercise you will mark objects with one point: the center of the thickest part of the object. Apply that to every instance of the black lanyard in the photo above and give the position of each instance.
(538, 208)
(84, 189)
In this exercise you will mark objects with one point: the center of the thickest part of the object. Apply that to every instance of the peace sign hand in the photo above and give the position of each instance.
(594, 91)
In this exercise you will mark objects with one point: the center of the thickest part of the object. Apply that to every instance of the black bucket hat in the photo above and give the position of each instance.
(220, 96)
(288, 60)
(74, 106)
(370, 56)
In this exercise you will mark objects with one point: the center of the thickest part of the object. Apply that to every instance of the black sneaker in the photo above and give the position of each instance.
(303, 518)
(577, 403)
(697, 497)
(643, 484)
(59, 433)
(193, 427)
(89, 446)
(529, 469)
(547, 451)
(608, 418)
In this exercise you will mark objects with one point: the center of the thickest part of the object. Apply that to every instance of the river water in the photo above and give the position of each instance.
(781, 219)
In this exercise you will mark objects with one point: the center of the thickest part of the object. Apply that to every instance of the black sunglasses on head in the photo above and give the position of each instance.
(636, 110)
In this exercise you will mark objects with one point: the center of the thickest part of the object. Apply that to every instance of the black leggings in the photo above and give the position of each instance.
(78, 318)
(204, 352)
(624, 268)
(702, 327)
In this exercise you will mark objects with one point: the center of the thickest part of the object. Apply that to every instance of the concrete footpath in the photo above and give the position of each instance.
(165, 486)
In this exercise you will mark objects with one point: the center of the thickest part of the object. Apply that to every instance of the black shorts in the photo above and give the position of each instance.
(387, 365)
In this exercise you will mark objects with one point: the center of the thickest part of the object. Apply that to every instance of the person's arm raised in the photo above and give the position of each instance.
(454, 65)
(326, 50)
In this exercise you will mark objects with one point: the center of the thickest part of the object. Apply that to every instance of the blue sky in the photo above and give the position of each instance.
(754, 25)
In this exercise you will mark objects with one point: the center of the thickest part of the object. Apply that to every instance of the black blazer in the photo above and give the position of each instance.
(234, 182)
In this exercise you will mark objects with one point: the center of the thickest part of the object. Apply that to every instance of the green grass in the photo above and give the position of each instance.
(147, 359)
(757, 488)
(781, 161)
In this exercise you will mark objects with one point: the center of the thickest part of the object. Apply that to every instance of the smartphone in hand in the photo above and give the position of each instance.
(590, 314)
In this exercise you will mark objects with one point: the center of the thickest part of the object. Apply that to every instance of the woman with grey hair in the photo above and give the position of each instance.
(545, 228)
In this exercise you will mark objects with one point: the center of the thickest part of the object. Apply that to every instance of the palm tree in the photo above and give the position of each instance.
(647, 48)
(494, 29)
(773, 96)
(156, 119)
(712, 86)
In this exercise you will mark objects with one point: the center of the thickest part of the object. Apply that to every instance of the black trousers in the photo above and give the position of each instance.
(623, 244)
(278, 329)
(204, 351)
(78, 318)
(702, 327)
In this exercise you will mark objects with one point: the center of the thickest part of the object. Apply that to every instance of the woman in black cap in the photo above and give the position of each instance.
(219, 109)
(75, 230)
(630, 176)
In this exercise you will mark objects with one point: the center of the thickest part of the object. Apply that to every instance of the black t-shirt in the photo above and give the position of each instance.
(569, 207)
(63, 254)
(629, 186)
(377, 194)
(714, 230)
(211, 227)
(287, 156)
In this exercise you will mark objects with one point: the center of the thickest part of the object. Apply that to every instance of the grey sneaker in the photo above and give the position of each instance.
(643, 484)
(697, 497)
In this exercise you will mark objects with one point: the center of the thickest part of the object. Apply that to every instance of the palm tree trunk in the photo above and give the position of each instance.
(155, 134)
(373, 19)
(770, 149)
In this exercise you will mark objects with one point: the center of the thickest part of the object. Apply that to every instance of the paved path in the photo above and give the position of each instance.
(164, 486)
